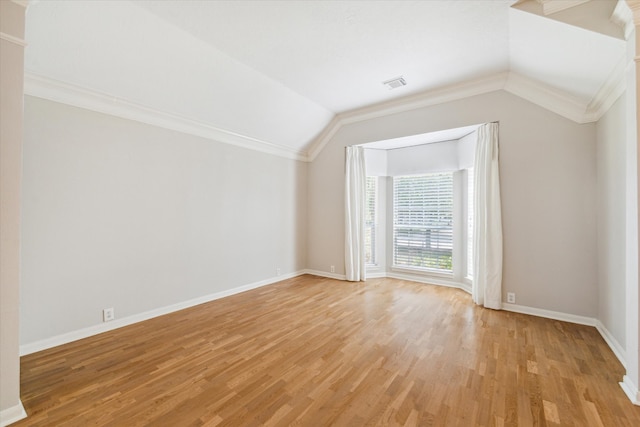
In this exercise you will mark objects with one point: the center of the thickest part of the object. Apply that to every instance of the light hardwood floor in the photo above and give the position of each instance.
(318, 352)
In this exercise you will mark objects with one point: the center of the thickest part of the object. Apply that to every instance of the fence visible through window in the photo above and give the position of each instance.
(423, 221)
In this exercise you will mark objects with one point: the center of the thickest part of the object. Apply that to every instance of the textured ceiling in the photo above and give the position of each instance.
(338, 53)
(276, 72)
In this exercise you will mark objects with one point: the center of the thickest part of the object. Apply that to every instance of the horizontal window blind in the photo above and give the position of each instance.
(370, 220)
(423, 221)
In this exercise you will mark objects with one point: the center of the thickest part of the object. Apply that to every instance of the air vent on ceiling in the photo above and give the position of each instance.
(395, 83)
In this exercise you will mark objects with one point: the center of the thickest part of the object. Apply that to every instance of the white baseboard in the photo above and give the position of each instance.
(555, 315)
(613, 343)
(13, 414)
(16, 413)
(631, 390)
(376, 275)
(427, 280)
(325, 274)
(129, 320)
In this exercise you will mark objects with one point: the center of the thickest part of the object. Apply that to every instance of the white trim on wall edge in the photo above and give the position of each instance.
(428, 280)
(533, 91)
(12, 39)
(623, 17)
(631, 390)
(550, 7)
(12, 414)
(325, 274)
(610, 91)
(608, 337)
(538, 93)
(407, 103)
(376, 275)
(17, 412)
(549, 314)
(23, 3)
(129, 320)
(69, 94)
(613, 343)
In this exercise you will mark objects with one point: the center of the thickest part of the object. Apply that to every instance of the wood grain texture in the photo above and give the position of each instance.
(311, 351)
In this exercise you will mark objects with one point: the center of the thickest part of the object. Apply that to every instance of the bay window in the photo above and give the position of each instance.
(423, 221)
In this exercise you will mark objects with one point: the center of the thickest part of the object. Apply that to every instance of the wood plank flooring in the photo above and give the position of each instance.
(311, 351)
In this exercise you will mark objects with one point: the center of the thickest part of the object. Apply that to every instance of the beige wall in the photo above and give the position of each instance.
(611, 174)
(126, 215)
(548, 178)
(11, 90)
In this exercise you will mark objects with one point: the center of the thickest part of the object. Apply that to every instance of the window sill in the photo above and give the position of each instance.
(423, 272)
(421, 277)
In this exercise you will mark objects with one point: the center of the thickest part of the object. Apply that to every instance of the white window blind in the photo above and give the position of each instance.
(370, 221)
(470, 210)
(423, 221)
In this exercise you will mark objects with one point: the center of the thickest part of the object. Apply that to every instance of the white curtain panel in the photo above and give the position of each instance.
(354, 202)
(487, 226)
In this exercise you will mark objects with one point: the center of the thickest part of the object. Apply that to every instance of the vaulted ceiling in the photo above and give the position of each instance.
(280, 76)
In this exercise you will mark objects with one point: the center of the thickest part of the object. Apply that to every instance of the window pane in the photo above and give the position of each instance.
(370, 221)
(423, 221)
(470, 210)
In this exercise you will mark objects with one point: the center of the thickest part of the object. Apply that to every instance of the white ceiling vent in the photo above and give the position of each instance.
(395, 83)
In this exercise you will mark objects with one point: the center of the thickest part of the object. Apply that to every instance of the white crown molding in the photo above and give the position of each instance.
(13, 39)
(609, 92)
(408, 103)
(623, 17)
(552, 99)
(536, 92)
(634, 6)
(426, 99)
(544, 96)
(550, 7)
(57, 91)
(323, 138)
(23, 3)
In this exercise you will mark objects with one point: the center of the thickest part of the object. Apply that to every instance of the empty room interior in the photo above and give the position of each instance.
(319, 213)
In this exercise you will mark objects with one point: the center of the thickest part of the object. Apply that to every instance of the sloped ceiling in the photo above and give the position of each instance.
(280, 76)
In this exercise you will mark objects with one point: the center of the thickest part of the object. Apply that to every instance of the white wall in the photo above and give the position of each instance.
(467, 150)
(375, 162)
(611, 173)
(126, 215)
(548, 178)
(444, 156)
(425, 158)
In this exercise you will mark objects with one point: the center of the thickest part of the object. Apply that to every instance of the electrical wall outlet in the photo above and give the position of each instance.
(333, 268)
(278, 271)
(108, 314)
(511, 297)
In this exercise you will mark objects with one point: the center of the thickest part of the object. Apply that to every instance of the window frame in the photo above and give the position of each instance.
(424, 270)
(372, 209)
